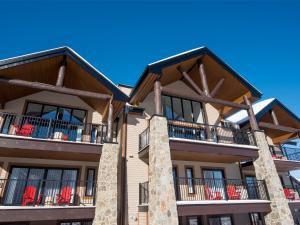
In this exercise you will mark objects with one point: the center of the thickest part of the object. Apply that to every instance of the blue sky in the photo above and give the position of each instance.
(259, 39)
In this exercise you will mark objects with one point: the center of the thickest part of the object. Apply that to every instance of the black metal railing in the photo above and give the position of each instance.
(144, 193)
(37, 127)
(36, 192)
(284, 152)
(291, 193)
(144, 139)
(211, 133)
(200, 189)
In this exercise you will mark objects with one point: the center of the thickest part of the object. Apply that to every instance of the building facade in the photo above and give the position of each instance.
(185, 145)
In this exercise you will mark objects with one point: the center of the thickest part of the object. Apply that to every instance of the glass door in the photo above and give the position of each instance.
(252, 187)
(214, 184)
(220, 220)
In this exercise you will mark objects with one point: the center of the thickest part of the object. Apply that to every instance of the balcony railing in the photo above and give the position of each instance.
(291, 193)
(144, 139)
(285, 153)
(36, 127)
(35, 192)
(210, 133)
(200, 189)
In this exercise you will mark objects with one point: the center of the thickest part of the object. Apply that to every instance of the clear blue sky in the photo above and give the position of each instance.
(260, 39)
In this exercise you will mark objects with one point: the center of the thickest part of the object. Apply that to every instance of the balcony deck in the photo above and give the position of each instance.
(46, 138)
(200, 196)
(35, 200)
(201, 142)
(285, 158)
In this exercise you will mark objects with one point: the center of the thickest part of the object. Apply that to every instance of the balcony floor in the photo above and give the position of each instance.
(15, 146)
(21, 213)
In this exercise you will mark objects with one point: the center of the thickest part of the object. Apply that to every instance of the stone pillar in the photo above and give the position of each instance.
(162, 201)
(107, 206)
(265, 169)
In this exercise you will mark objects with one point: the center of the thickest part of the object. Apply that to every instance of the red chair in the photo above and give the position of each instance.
(233, 194)
(64, 197)
(212, 195)
(25, 130)
(289, 194)
(29, 195)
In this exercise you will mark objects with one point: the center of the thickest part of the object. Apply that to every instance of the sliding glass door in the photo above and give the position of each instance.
(214, 184)
(35, 186)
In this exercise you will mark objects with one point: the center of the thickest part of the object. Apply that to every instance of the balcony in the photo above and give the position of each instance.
(285, 158)
(51, 199)
(35, 133)
(218, 196)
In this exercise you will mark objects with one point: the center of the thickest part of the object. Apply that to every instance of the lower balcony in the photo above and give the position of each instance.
(35, 200)
(49, 138)
(199, 196)
(285, 158)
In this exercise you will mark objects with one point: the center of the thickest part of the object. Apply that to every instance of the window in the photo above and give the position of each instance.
(252, 187)
(175, 108)
(82, 222)
(256, 219)
(220, 220)
(193, 220)
(90, 183)
(214, 183)
(46, 111)
(48, 183)
(189, 173)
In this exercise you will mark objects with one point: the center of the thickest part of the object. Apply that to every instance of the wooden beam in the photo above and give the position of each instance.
(110, 122)
(278, 127)
(274, 117)
(252, 118)
(217, 88)
(227, 110)
(157, 97)
(283, 138)
(204, 79)
(61, 74)
(169, 91)
(48, 87)
(191, 82)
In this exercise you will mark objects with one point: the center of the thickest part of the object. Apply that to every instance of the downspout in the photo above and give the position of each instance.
(123, 166)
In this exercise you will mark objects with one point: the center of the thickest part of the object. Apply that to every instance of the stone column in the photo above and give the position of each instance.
(265, 169)
(162, 201)
(107, 208)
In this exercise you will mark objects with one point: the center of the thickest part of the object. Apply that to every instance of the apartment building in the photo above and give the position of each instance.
(77, 149)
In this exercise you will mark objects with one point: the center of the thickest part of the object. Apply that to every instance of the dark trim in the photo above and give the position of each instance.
(65, 51)
(157, 67)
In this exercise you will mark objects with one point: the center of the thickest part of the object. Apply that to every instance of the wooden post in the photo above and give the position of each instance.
(61, 74)
(157, 97)
(251, 115)
(110, 122)
(274, 117)
(203, 79)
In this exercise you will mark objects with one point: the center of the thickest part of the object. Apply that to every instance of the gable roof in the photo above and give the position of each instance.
(157, 66)
(260, 109)
(65, 51)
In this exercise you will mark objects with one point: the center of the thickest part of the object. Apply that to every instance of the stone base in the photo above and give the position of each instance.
(107, 208)
(162, 201)
(265, 169)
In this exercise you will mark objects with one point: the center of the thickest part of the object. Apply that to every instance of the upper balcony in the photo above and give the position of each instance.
(196, 141)
(285, 158)
(203, 196)
(50, 138)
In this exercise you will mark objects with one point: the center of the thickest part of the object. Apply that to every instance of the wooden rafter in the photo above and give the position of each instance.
(53, 88)
(274, 117)
(239, 100)
(215, 90)
(61, 73)
(203, 79)
(278, 127)
(190, 81)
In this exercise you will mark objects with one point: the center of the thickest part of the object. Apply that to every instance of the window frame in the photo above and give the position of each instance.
(93, 184)
(192, 179)
(182, 110)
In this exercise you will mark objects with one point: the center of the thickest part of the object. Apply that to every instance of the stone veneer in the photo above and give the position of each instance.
(162, 201)
(265, 169)
(107, 186)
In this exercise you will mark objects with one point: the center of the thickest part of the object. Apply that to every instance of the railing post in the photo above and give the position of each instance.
(49, 128)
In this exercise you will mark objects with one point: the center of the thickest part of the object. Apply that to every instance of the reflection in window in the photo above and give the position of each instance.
(190, 181)
(167, 107)
(90, 182)
(177, 109)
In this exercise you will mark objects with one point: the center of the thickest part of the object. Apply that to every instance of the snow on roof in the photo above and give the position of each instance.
(242, 115)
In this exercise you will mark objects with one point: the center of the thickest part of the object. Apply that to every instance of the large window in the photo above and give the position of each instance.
(256, 219)
(214, 184)
(220, 220)
(182, 109)
(43, 185)
(56, 112)
(189, 173)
